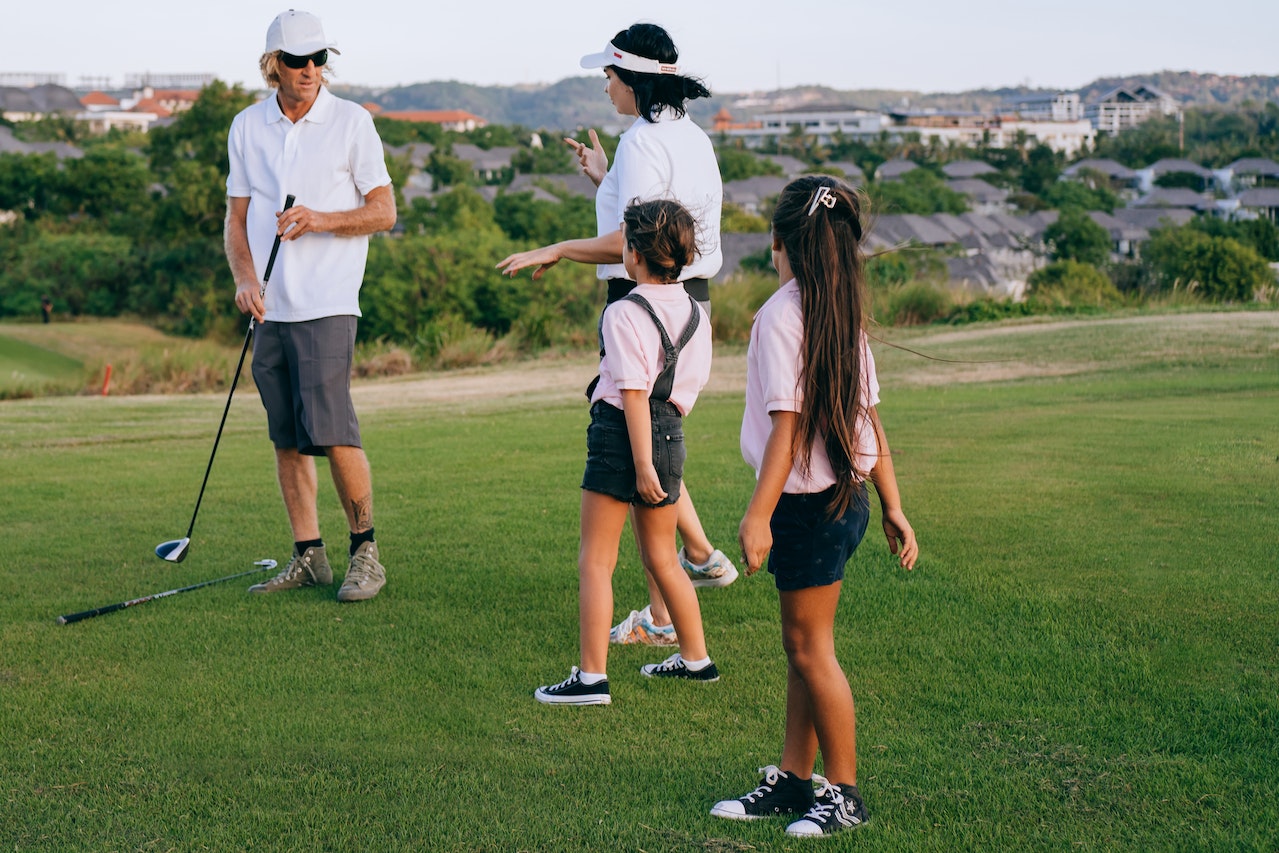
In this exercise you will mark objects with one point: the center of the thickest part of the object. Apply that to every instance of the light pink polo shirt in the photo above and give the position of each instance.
(772, 385)
(633, 347)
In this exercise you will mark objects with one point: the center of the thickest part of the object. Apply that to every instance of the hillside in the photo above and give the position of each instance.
(580, 101)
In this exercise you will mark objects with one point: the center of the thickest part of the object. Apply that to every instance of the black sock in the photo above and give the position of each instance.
(299, 548)
(358, 539)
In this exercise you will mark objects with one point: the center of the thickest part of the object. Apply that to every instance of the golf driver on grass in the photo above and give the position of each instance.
(262, 566)
(175, 550)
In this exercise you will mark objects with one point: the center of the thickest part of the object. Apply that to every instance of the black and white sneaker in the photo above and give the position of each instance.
(838, 807)
(779, 793)
(675, 667)
(571, 691)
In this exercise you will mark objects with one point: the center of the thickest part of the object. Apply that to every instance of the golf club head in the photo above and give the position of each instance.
(175, 551)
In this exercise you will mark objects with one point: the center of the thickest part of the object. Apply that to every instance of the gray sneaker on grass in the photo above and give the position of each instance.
(365, 576)
(310, 568)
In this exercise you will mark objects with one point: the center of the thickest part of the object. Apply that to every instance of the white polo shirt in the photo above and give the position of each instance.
(773, 363)
(633, 347)
(330, 160)
(671, 158)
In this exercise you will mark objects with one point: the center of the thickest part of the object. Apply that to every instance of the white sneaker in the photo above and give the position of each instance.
(639, 628)
(717, 571)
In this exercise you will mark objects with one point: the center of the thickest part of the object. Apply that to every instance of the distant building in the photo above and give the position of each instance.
(457, 120)
(10, 144)
(891, 170)
(754, 194)
(1055, 106)
(1247, 173)
(488, 164)
(982, 197)
(153, 80)
(823, 123)
(960, 169)
(996, 131)
(35, 102)
(1260, 203)
(1121, 109)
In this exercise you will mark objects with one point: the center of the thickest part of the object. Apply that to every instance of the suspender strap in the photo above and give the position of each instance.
(665, 381)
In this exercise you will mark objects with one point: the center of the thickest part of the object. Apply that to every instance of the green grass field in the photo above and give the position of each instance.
(27, 369)
(1086, 658)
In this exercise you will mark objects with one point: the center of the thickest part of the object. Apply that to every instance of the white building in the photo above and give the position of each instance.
(820, 122)
(1121, 109)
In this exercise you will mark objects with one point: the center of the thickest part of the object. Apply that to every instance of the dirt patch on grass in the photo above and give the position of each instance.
(565, 378)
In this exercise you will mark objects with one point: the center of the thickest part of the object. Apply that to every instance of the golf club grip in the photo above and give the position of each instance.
(275, 247)
(89, 614)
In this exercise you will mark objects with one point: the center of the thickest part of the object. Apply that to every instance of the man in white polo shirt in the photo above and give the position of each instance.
(304, 141)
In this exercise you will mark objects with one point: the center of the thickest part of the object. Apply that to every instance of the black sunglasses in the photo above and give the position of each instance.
(297, 62)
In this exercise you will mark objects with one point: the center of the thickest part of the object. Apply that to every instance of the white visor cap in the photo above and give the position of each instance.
(613, 55)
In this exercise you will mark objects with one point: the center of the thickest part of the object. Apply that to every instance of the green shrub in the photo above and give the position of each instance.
(916, 304)
(1070, 284)
(1218, 268)
(984, 310)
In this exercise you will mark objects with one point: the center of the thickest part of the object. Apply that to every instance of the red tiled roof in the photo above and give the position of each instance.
(434, 116)
(99, 99)
(191, 95)
(151, 105)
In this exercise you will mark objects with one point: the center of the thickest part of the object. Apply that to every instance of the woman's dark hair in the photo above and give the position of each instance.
(818, 220)
(656, 92)
(664, 234)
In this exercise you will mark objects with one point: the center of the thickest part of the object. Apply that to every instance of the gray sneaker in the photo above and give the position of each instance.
(311, 568)
(364, 576)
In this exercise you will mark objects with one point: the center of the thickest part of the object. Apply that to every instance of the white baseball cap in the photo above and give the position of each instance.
(614, 55)
(298, 33)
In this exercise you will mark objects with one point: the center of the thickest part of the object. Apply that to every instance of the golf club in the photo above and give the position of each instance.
(262, 565)
(175, 550)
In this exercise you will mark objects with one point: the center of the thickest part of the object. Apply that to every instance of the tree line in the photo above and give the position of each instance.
(134, 226)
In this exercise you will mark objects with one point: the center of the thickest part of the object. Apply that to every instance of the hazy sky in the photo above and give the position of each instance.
(738, 46)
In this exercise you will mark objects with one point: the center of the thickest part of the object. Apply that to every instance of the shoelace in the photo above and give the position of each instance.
(361, 566)
(292, 571)
(565, 683)
(829, 798)
(671, 664)
(771, 776)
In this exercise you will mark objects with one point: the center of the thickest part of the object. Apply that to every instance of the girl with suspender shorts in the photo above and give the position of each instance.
(649, 379)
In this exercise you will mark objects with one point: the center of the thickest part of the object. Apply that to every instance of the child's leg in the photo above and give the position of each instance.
(697, 547)
(655, 531)
(601, 528)
(819, 702)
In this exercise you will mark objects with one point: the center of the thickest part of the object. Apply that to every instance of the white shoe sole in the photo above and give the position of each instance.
(548, 699)
(716, 811)
(723, 580)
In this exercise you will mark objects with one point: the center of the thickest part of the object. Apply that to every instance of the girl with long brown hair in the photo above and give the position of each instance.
(812, 434)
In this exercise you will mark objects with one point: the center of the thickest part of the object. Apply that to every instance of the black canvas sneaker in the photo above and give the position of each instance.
(571, 691)
(838, 807)
(779, 793)
(675, 667)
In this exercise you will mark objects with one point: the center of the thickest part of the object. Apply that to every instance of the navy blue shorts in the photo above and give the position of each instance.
(303, 374)
(610, 465)
(810, 549)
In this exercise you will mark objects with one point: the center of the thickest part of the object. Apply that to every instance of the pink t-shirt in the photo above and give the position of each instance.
(633, 347)
(773, 385)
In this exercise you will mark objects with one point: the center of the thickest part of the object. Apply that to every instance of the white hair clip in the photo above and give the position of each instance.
(823, 196)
